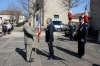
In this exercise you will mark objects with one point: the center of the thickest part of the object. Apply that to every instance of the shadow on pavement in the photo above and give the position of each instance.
(62, 39)
(95, 65)
(46, 54)
(67, 51)
(92, 39)
(21, 52)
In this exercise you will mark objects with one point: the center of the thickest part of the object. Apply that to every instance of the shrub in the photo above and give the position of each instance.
(66, 33)
(19, 24)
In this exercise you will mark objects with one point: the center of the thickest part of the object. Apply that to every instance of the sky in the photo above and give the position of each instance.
(4, 5)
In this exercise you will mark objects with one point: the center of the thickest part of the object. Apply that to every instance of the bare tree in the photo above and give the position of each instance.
(15, 11)
(71, 3)
(24, 5)
(31, 7)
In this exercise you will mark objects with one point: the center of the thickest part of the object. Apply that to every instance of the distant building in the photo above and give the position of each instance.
(95, 14)
(76, 18)
(9, 16)
(5, 18)
(21, 18)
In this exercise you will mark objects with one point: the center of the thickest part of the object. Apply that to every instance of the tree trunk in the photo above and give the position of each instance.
(34, 22)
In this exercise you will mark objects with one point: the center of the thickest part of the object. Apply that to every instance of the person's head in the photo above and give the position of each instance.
(49, 20)
(81, 19)
(28, 20)
(72, 22)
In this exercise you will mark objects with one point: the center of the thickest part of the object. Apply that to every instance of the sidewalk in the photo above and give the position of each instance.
(12, 52)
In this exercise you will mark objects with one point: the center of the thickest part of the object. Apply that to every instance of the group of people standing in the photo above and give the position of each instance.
(81, 32)
(29, 32)
(5, 28)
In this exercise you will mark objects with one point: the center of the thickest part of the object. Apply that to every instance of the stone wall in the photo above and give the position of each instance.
(95, 14)
(54, 7)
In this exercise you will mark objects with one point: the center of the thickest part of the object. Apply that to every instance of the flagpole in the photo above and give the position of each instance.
(36, 44)
(39, 32)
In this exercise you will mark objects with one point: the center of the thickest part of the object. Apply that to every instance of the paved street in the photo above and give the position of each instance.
(12, 52)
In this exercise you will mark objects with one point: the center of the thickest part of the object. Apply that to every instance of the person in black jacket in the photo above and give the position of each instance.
(82, 36)
(72, 31)
(49, 37)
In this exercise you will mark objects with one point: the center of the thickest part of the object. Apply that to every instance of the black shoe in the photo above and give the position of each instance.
(80, 56)
(31, 60)
(50, 58)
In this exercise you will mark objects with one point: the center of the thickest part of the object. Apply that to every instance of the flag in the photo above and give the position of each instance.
(39, 27)
(38, 24)
(70, 14)
(86, 15)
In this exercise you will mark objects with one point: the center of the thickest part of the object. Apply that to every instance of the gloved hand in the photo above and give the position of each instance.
(82, 40)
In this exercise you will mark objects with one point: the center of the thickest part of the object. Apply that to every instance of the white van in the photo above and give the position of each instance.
(58, 24)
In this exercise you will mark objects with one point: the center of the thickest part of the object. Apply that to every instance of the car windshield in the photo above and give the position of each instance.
(57, 22)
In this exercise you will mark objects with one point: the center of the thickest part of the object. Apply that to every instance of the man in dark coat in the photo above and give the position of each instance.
(72, 31)
(82, 36)
(49, 37)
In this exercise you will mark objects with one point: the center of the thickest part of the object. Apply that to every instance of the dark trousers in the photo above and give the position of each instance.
(9, 31)
(51, 51)
(81, 47)
(71, 36)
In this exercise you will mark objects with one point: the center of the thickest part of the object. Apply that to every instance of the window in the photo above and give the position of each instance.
(56, 16)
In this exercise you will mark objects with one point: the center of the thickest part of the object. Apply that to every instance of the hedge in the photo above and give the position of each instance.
(19, 24)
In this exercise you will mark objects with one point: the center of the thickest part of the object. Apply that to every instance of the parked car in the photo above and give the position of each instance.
(58, 24)
(66, 27)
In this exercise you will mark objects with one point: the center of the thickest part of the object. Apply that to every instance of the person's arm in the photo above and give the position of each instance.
(84, 36)
(51, 29)
(34, 29)
(28, 30)
(74, 28)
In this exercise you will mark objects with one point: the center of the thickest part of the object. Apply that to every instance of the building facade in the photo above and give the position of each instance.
(21, 18)
(95, 14)
(53, 9)
(6, 16)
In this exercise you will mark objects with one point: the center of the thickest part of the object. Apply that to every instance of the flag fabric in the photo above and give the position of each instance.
(70, 14)
(86, 15)
(38, 25)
